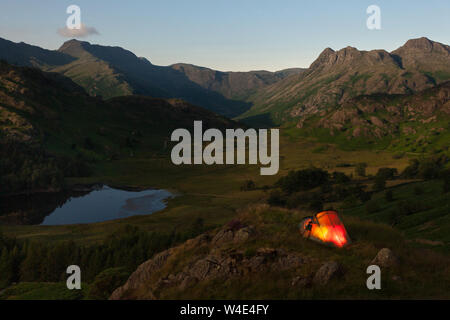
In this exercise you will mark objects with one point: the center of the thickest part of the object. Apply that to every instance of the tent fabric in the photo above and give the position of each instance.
(325, 227)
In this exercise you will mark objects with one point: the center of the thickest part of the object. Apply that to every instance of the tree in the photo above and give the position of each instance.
(380, 183)
(30, 268)
(389, 195)
(6, 268)
(106, 282)
(248, 185)
(386, 173)
(302, 180)
(446, 178)
(360, 169)
(276, 198)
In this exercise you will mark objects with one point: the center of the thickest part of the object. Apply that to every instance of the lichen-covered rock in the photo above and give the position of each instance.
(385, 258)
(326, 272)
(142, 274)
(302, 281)
(228, 235)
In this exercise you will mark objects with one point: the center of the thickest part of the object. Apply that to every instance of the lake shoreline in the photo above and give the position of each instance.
(77, 187)
(34, 208)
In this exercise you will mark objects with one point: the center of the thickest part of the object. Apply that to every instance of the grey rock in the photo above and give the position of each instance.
(328, 271)
(385, 258)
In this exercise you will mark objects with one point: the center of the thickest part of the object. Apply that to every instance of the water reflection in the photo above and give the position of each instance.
(102, 204)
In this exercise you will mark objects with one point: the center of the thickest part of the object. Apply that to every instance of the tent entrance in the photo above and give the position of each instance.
(325, 227)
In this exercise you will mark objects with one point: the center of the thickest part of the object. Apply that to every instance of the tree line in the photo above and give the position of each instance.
(121, 253)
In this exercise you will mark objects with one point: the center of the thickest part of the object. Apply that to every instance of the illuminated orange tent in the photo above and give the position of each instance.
(325, 227)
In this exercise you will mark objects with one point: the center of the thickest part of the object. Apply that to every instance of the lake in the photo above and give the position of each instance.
(101, 204)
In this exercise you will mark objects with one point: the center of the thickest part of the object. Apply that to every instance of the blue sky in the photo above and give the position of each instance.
(229, 35)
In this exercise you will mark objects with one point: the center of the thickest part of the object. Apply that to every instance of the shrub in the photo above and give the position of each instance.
(326, 188)
(316, 203)
(340, 177)
(389, 195)
(365, 196)
(386, 173)
(446, 177)
(410, 207)
(302, 180)
(394, 217)
(350, 201)
(380, 183)
(106, 282)
(248, 185)
(372, 207)
(418, 190)
(276, 198)
(430, 168)
(88, 143)
(360, 169)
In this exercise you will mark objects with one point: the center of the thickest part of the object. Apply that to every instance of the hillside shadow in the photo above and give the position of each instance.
(259, 121)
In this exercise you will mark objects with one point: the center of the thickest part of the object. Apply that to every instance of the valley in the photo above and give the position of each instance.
(373, 124)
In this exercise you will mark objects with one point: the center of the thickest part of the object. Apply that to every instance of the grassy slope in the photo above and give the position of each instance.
(430, 223)
(421, 271)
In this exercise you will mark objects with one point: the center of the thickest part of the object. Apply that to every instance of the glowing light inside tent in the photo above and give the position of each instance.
(326, 227)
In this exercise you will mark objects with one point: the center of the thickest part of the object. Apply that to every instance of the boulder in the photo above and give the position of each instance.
(288, 262)
(228, 235)
(302, 281)
(328, 271)
(385, 258)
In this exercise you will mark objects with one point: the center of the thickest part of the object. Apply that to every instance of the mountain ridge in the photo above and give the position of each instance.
(111, 71)
(336, 76)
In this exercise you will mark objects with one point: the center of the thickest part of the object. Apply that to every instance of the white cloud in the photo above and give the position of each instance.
(83, 32)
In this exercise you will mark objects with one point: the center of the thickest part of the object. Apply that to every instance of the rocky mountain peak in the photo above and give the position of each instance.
(72, 43)
(327, 56)
(420, 43)
(423, 45)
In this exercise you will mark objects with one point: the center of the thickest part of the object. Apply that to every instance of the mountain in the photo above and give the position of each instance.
(113, 71)
(233, 85)
(50, 127)
(415, 122)
(336, 76)
(31, 56)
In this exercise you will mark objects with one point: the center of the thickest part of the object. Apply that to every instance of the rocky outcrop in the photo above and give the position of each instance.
(228, 235)
(142, 274)
(378, 116)
(220, 255)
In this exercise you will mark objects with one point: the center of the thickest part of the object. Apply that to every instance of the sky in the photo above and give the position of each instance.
(228, 35)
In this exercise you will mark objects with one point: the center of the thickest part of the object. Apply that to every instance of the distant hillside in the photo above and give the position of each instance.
(416, 122)
(233, 85)
(31, 56)
(45, 116)
(113, 71)
(337, 76)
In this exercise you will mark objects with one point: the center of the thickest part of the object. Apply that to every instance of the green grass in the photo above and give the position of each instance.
(42, 291)
(431, 222)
